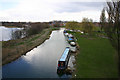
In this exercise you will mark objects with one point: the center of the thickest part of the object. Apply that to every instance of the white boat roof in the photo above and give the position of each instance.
(64, 55)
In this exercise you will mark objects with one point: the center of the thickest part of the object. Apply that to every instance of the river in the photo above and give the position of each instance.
(41, 62)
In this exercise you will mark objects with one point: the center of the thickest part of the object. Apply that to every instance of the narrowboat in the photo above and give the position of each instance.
(63, 61)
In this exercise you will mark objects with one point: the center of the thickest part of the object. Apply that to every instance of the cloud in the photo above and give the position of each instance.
(79, 6)
(28, 11)
(77, 16)
(47, 10)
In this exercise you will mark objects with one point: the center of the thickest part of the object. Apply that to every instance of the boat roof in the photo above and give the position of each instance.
(64, 55)
(70, 39)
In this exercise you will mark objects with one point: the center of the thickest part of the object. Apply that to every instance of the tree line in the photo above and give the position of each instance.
(111, 25)
(87, 25)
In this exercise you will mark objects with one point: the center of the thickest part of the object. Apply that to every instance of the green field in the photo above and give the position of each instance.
(96, 59)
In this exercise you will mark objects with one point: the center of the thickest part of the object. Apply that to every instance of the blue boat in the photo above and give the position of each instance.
(70, 40)
(65, 31)
(63, 62)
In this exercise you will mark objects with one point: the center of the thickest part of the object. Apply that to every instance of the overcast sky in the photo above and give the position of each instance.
(49, 10)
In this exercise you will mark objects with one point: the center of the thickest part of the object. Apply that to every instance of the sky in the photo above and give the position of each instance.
(49, 10)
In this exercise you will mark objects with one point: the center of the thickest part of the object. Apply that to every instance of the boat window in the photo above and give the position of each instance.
(62, 64)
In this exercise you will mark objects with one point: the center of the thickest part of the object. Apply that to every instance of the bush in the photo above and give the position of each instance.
(17, 34)
(36, 28)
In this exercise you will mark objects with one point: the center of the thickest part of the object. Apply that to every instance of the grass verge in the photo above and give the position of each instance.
(96, 58)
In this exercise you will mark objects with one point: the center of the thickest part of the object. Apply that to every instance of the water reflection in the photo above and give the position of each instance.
(7, 33)
(41, 62)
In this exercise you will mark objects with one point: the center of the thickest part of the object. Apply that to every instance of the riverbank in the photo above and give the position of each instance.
(96, 58)
(13, 49)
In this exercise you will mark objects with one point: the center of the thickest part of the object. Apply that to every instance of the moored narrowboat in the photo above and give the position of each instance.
(63, 62)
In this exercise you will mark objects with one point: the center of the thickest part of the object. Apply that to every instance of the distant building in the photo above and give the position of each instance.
(57, 23)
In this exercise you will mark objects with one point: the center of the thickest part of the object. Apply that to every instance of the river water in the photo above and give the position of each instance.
(41, 62)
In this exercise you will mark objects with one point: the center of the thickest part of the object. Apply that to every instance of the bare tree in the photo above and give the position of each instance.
(113, 27)
(102, 19)
(87, 25)
(17, 34)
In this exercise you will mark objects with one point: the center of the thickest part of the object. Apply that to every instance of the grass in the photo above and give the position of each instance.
(96, 59)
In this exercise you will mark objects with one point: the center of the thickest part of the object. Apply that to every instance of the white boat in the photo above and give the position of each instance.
(73, 49)
(70, 36)
(66, 34)
(72, 43)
